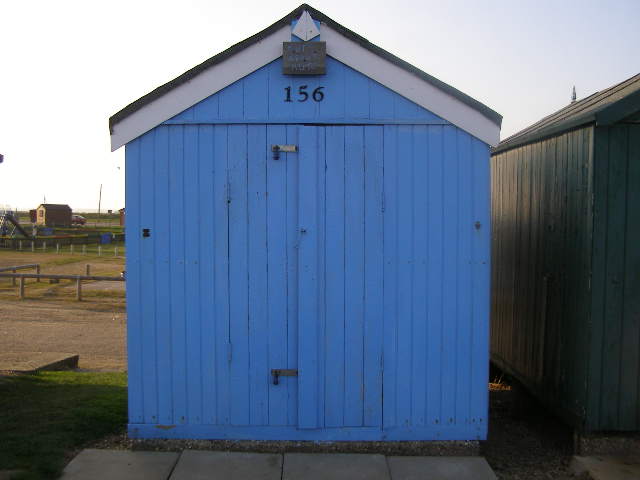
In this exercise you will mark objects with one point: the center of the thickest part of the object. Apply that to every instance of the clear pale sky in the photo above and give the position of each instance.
(66, 66)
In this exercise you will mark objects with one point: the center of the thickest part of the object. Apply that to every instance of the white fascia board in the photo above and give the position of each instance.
(410, 86)
(339, 47)
(200, 87)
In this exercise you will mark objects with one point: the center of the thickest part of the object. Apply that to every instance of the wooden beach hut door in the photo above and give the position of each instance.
(340, 271)
(305, 276)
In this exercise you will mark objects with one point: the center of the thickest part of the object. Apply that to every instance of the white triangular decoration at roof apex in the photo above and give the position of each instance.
(306, 28)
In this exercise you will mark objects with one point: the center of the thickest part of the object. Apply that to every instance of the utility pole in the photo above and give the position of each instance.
(99, 202)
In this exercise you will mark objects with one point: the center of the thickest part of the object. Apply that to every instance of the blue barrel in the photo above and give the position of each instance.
(105, 238)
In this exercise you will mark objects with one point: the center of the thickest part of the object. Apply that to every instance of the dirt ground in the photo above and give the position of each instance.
(49, 319)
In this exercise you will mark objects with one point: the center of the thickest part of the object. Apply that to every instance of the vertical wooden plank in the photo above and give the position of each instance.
(335, 297)
(134, 300)
(450, 294)
(293, 237)
(308, 280)
(231, 101)
(405, 109)
(256, 95)
(221, 275)
(300, 86)
(419, 378)
(404, 255)
(278, 108)
(435, 273)
(600, 214)
(465, 279)
(617, 190)
(356, 94)
(277, 296)
(481, 271)
(321, 167)
(177, 245)
(238, 274)
(381, 107)
(192, 285)
(333, 105)
(259, 373)
(207, 109)
(374, 268)
(629, 405)
(206, 271)
(390, 250)
(354, 275)
(162, 274)
(147, 251)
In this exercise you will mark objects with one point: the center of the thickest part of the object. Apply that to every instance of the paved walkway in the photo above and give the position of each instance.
(199, 465)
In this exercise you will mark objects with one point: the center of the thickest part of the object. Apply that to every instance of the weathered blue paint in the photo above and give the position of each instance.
(356, 261)
(349, 97)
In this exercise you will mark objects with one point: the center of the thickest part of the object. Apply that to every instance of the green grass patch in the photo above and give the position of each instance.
(46, 417)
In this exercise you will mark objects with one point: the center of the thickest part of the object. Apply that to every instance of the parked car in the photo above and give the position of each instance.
(78, 220)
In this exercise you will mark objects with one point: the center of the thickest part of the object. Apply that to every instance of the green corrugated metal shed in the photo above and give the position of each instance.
(566, 259)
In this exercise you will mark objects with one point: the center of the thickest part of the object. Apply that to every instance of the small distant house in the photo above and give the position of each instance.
(121, 212)
(53, 215)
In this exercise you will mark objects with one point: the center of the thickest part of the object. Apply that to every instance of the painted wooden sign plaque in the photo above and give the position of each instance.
(304, 58)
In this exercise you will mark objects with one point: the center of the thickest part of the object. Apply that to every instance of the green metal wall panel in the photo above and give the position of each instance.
(614, 374)
(542, 226)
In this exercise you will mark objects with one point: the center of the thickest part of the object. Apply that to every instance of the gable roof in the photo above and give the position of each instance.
(602, 108)
(54, 206)
(256, 51)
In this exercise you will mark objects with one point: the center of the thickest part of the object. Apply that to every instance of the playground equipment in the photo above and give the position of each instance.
(9, 226)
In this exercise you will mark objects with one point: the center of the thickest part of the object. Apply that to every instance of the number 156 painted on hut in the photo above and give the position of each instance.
(303, 95)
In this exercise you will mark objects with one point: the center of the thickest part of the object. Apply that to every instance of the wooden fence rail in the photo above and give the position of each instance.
(77, 278)
(21, 267)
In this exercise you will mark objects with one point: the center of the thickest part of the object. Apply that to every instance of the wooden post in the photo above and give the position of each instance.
(21, 290)
(78, 289)
(57, 247)
(19, 244)
(88, 270)
(44, 246)
(115, 251)
(84, 250)
(99, 250)
(33, 246)
(38, 273)
(71, 249)
(13, 280)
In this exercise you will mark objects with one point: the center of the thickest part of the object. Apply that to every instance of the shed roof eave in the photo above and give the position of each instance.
(544, 134)
(618, 111)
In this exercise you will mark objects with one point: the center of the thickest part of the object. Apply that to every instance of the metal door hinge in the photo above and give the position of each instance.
(282, 372)
(276, 149)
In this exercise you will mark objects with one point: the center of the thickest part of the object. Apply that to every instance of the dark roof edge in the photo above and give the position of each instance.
(133, 107)
(619, 110)
(544, 134)
(609, 114)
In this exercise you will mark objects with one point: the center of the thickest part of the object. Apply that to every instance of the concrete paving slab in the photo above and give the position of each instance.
(440, 468)
(31, 362)
(93, 464)
(334, 466)
(201, 465)
(606, 467)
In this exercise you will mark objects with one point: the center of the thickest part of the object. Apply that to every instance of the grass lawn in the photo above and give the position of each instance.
(45, 418)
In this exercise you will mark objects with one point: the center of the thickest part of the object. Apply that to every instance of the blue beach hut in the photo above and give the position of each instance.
(307, 245)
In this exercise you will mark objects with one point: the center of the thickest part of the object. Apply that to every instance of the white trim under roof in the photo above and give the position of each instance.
(269, 49)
